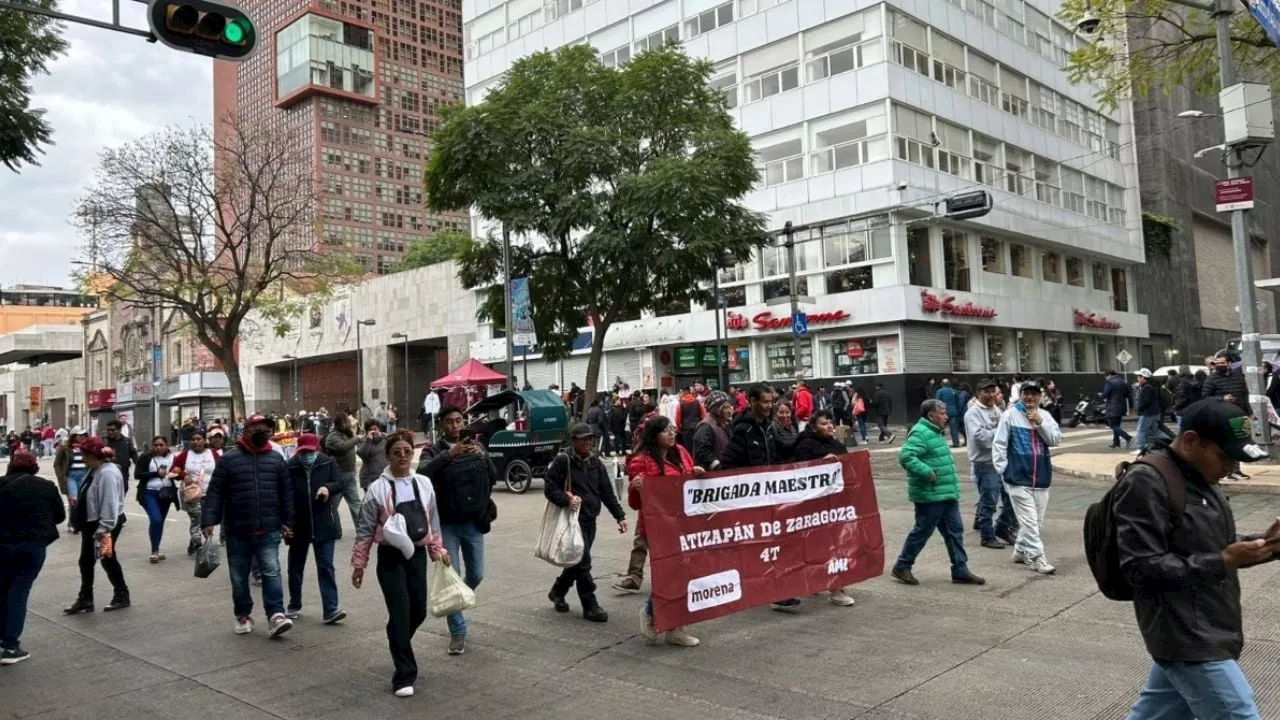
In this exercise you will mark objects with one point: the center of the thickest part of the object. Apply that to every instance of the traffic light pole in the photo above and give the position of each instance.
(790, 244)
(113, 25)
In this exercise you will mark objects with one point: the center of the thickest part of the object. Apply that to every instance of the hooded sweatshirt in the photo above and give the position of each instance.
(1020, 451)
(380, 503)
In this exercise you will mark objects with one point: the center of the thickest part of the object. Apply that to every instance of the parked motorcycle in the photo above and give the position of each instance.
(1090, 410)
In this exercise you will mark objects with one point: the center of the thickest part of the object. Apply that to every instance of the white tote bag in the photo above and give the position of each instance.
(560, 541)
(449, 594)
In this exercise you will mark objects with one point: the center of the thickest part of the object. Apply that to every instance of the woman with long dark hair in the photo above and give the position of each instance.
(658, 455)
(156, 490)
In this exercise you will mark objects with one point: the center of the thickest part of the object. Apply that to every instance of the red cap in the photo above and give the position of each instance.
(96, 447)
(257, 419)
(308, 441)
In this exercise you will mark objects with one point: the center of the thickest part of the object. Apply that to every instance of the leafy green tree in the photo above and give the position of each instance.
(27, 43)
(444, 245)
(1145, 45)
(620, 188)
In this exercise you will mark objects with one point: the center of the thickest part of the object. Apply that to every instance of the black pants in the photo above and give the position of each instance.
(404, 588)
(884, 427)
(580, 574)
(111, 565)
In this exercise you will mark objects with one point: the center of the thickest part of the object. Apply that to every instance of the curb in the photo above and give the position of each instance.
(1228, 488)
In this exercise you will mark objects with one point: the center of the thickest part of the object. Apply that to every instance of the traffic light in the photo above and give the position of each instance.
(205, 28)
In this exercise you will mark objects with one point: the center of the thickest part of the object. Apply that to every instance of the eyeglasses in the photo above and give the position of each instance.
(402, 452)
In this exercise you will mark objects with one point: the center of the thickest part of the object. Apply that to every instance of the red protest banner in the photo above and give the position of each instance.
(733, 540)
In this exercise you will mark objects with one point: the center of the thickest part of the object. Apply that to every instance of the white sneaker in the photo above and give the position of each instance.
(244, 625)
(1041, 565)
(646, 628)
(841, 598)
(1019, 558)
(680, 638)
(406, 691)
(279, 625)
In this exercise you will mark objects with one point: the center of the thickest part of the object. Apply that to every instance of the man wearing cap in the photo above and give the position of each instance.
(1148, 409)
(1020, 453)
(1184, 570)
(250, 496)
(577, 479)
(980, 423)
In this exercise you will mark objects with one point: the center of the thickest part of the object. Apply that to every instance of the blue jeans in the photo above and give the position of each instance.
(945, 518)
(74, 478)
(1148, 425)
(1117, 432)
(156, 513)
(325, 574)
(20, 563)
(465, 542)
(1188, 690)
(241, 551)
(862, 427)
(991, 493)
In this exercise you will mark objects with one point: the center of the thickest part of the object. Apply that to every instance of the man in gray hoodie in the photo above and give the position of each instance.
(980, 422)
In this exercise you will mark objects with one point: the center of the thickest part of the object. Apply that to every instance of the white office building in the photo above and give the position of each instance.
(865, 117)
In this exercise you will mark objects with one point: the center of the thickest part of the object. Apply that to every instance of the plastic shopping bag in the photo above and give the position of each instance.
(395, 534)
(207, 558)
(560, 542)
(449, 594)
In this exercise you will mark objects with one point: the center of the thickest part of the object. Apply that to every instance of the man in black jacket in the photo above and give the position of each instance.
(250, 496)
(463, 477)
(750, 444)
(316, 484)
(122, 446)
(1183, 570)
(578, 480)
(30, 511)
(1226, 384)
(882, 402)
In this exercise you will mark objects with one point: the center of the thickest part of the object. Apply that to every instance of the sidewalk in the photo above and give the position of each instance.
(1101, 466)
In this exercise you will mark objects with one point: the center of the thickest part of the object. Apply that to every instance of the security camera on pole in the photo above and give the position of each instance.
(1247, 125)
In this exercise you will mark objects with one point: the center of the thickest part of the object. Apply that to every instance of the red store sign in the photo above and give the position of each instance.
(1093, 320)
(767, 321)
(102, 399)
(855, 349)
(931, 303)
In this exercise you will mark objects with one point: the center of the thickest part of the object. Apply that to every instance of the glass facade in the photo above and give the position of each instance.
(780, 357)
(316, 50)
(856, 356)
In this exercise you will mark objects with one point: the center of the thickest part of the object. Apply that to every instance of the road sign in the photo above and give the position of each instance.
(1123, 357)
(1233, 194)
(969, 205)
(800, 324)
(1267, 15)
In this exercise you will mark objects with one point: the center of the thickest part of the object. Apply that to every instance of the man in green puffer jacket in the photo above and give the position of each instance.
(932, 484)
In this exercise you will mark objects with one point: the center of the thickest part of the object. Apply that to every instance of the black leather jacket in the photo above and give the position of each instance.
(1187, 601)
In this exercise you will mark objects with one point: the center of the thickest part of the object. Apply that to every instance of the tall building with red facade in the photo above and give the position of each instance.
(361, 83)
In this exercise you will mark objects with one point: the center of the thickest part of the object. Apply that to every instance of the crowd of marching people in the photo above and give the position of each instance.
(239, 481)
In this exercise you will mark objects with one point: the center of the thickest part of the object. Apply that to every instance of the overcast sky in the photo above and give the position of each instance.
(108, 89)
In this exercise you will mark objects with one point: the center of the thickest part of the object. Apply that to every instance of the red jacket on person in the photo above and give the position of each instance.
(642, 463)
(804, 404)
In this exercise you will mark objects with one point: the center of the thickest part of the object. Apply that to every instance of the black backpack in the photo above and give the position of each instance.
(1100, 546)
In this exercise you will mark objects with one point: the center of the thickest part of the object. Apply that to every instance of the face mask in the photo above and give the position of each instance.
(260, 437)
(308, 458)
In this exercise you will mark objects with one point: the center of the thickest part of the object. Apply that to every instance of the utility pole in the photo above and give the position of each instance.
(788, 230)
(506, 307)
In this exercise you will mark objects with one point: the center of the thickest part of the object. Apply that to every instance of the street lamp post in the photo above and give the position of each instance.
(722, 357)
(360, 364)
(293, 378)
(405, 337)
(506, 306)
(1250, 344)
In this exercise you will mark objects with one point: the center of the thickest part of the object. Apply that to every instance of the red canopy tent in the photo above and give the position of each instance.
(472, 372)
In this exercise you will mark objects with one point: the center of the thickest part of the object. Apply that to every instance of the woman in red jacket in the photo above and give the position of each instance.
(658, 455)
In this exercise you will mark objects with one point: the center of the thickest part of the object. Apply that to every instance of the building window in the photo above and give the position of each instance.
(1013, 93)
(910, 43)
(1079, 355)
(751, 7)
(773, 82)
(999, 352)
(1101, 280)
(960, 357)
(317, 50)
(725, 79)
(858, 138)
(1120, 295)
(856, 356)
(955, 256)
(656, 40)
(843, 45)
(1051, 267)
(1057, 351)
(1075, 271)
(849, 280)
(780, 358)
(1020, 260)
(913, 136)
(921, 271)
(986, 160)
(983, 79)
(781, 162)
(993, 256)
(709, 20)
(1017, 163)
(616, 57)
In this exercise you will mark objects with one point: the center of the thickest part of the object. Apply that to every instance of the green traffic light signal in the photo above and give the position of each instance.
(234, 32)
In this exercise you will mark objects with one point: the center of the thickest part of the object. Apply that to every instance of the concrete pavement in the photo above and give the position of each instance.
(1024, 646)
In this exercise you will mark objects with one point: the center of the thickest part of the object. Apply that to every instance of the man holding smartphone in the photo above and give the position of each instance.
(1184, 569)
(1020, 453)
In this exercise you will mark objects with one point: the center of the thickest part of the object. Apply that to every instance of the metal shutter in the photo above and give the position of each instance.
(575, 371)
(926, 348)
(540, 373)
(624, 364)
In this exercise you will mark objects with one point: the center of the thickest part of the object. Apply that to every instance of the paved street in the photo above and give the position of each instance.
(1023, 646)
